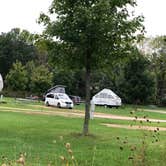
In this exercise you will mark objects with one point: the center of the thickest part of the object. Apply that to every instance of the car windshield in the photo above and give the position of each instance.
(63, 96)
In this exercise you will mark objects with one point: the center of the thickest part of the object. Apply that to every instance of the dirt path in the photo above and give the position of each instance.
(111, 116)
(41, 112)
(135, 127)
(75, 113)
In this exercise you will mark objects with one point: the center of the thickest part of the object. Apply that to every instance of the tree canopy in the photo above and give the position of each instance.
(101, 28)
(15, 45)
(90, 33)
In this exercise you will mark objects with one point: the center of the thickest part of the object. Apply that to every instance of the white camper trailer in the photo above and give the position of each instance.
(1, 83)
(107, 97)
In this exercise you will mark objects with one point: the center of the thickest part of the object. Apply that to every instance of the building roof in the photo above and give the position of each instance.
(105, 93)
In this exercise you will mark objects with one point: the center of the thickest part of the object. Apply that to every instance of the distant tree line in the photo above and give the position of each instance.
(27, 65)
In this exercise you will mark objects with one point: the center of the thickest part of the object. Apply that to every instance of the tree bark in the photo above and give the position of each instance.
(87, 99)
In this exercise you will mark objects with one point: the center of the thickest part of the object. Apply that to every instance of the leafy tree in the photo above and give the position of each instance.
(155, 49)
(160, 71)
(90, 33)
(41, 79)
(42, 50)
(30, 67)
(158, 63)
(15, 45)
(72, 79)
(138, 85)
(29, 78)
(17, 77)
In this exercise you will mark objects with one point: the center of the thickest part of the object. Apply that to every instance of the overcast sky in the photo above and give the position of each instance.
(24, 13)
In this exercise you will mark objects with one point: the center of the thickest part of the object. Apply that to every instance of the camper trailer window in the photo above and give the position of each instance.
(110, 97)
(103, 95)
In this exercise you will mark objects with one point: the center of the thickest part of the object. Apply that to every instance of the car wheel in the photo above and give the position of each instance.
(59, 105)
(47, 103)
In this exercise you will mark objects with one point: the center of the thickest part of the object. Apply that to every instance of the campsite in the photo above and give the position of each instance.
(41, 133)
(83, 83)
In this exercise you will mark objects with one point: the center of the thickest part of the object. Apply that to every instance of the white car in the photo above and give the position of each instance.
(60, 100)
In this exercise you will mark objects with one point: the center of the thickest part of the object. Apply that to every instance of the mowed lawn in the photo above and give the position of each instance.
(43, 139)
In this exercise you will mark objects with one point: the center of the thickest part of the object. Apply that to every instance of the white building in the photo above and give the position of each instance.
(107, 97)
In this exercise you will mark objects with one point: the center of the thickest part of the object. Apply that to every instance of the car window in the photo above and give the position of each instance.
(56, 97)
(50, 96)
(63, 96)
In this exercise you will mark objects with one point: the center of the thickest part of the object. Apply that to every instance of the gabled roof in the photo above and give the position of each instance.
(107, 91)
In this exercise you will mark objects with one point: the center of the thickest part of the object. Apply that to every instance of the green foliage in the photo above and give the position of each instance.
(15, 45)
(41, 45)
(29, 78)
(17, 77)
(100, 28)
(72, 79)
(156, 52)
(41, 79)
(138, 84)
(160, 71)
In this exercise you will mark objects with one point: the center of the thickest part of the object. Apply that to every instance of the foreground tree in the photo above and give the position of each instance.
(90, 33)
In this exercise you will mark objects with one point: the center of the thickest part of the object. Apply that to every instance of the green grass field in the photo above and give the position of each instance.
(43, 138)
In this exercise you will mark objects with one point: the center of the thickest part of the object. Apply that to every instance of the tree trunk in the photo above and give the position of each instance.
(87, 100)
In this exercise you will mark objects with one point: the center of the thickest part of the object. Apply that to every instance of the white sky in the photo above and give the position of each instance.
(24, 13)
(154, 12)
